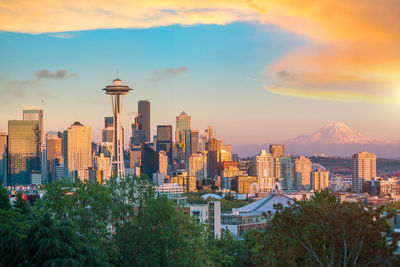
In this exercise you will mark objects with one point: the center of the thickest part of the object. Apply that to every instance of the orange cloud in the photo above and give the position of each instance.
(347, 38)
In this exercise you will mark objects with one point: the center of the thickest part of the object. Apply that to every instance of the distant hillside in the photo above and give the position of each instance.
(389, 166)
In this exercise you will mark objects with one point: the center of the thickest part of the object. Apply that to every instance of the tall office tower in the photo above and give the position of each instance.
(34, 114)
(195, 141)
(265, 170)
(286, 172)
(135, 156)
(182, 124)
(3, 158)
(138, 135)
(150, 163)
(54, 151)
(117, 90)
(364, 169)
(77, 151)
(164, 140)
(302, 170)
(320, 179)
(225, 153)
(187, 140)
(162, 162)
(23, 152)
(210, 133)
(107, 134)
(144, 117)
(213, 146)
(277, 150)
(103, 164)
(198, 166)
(108, 122)
(202, 143)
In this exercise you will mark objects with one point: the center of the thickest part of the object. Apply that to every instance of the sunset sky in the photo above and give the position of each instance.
(257, 71)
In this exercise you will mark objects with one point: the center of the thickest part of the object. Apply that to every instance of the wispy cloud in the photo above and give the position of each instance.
(58, 74)
(358, 38)
(62, 35)
(165, 73)
(19, 89)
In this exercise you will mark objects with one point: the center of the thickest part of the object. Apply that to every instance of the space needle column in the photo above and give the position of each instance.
(117, 90)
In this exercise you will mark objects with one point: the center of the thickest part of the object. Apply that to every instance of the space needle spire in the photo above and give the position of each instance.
(117, 90)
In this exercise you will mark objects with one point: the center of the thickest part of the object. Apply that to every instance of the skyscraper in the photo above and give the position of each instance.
(107, 133)
(34, 114)
(303, 168)
(195, 141)
(23, 151)
(54, 151)
(144, 117)
(164, 140)
(138, 135)
(320, 179)
(3, 158)
(277, 150)
(182, 124)
(77, 150)
(265, 170)
(117, 90)
(363, 168)
(286, 172)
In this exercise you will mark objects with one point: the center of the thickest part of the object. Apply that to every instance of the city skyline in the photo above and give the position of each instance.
(221, 66)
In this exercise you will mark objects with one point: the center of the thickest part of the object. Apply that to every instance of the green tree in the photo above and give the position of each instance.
(160, 234)
(22, 204)
(58, 243)
(13, 228)
(4, 199)
(322, 232)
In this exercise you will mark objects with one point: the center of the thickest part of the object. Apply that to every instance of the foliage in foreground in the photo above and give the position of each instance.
(122, 224)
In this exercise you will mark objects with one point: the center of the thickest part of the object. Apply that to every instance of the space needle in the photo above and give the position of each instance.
(117, 90)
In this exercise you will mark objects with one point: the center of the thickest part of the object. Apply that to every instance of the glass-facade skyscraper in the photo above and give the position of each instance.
(144, 117)
(164, 140)
(23, 151)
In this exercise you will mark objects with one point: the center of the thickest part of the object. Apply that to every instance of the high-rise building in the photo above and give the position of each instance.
(103, 164)
(286, 168)
(187, 137)
(23, 151)
(54, 150)
(210, 133)
(77, 150)
(320, 179)
(195, 141)
(164, 140)
(265, 170)
(198, 166)
(3, 159)
(108, 122)
(363, 168)
(149, 158)
(162, 162)
(225, 153)
(182, 124)
(303, 168)
(277, 150)
(107, 134)
(135, 156)
(213, 147)
(117, 90)
(144, 117)
(34, 114)
(138, 134)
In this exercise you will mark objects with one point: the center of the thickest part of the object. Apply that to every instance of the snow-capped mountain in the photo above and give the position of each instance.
(335, 133)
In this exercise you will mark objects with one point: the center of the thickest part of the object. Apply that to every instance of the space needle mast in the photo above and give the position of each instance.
(117, 90)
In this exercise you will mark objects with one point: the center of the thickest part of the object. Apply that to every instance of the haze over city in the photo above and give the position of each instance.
(258, 72)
